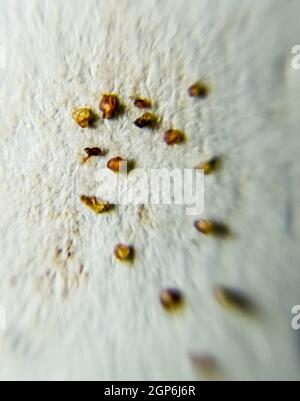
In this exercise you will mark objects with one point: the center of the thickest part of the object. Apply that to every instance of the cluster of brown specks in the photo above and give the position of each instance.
(171, 299)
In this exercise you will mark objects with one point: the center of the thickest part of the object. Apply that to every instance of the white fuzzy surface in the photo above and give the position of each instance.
(107, 322)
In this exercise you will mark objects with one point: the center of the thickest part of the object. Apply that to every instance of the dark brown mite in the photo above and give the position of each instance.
(171, 299)
(233, 299)
(142, 103)
(204, 226)
(210, 165)
(93, 152)
(173, 137)
(208, 227)
(146, 120)
(199, 89)
(108, 105)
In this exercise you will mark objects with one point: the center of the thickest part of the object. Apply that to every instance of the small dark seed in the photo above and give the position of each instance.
(95, 204)
(204, 226)
(84, 117)
(199, 89)
(171, 299)
(93, 152)
(108, 105)
(146, 120)
(212, 227)
(115, 164)
(233, 299)
(142, 103)
(173, 137)
(123, 252)
(211, 165)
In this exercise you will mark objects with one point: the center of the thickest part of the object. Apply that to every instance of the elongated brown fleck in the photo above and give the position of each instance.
(124, 252)
(232, 299)
(173, 137)
(142, 103)
(84, 117)
(146, 120)
(115, 164)
(108, 105)
(95, 204)
(205, 365)
(93, 152)
(211, 165)
(212, 227)
(199, 89)
(204, 226)
(171, 299)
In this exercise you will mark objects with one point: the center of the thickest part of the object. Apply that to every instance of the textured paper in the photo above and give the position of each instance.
(72, 312)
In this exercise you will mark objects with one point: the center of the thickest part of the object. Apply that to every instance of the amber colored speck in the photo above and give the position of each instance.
(199, 89)
(213, 227)
(95, 204)
(173, 137)
(142, 103)
(115, 164)
(123, 252)
(171, 299)
(232, 299)
(204, 226)
(83, 116)
(146, 120)
(108, 105)
(210, 166)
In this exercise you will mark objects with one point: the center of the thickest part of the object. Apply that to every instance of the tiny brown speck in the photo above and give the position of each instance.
(146, 120)
(204, 226)
(93, 152)
(199, 89)
(232, 299)
(115, 164)
(123, 252)
(211, 165)
(58, 252)
(205, 365)
(95, 204)
(212, 227)
(142, 103)
(171, 299)
(173, 137)
(84, 117)
(108, 105)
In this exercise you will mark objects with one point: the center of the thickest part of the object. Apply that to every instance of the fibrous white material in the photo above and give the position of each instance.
(73, 312)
